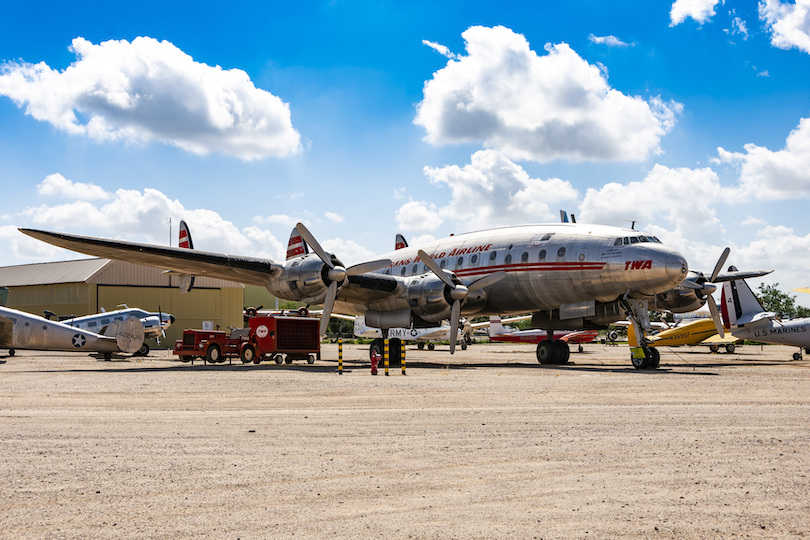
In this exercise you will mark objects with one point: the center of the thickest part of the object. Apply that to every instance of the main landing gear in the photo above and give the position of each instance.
(642, 356)
(553, 352)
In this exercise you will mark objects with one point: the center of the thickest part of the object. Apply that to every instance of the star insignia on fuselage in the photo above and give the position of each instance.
(78, 341)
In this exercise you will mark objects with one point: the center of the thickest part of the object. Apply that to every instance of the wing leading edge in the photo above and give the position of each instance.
(249, 270)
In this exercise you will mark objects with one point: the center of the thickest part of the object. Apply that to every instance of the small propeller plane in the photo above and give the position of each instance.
(154, 323)
(745, 318)
(20, 330)
(499, 333)
(697, 332)
(570, 276)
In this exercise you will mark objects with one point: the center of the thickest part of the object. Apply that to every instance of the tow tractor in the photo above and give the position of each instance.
(277, 338)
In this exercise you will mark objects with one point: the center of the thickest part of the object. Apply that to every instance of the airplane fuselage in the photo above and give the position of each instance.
(795, 333)
(546, 266)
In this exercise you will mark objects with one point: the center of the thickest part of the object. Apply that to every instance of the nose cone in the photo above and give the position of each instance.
(676, 266)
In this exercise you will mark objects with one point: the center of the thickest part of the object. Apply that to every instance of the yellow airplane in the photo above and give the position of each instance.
(698, 332)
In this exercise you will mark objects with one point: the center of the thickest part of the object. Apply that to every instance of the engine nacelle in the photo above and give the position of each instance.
(680, 299)
(429, 298)
(304, 279)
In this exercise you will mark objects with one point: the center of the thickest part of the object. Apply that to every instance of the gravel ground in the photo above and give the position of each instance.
(486, 444)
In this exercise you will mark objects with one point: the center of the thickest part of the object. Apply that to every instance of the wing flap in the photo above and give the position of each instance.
(230, 267)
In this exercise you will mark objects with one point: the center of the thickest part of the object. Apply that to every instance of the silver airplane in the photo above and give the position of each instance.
(154, 323)
(20, 330)
(745, 318)
(570, 276)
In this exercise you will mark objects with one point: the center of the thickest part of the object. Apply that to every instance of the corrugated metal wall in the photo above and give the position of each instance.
(64, 299)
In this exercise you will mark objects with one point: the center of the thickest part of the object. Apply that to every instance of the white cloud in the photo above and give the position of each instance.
(281, 219)
(331, 216)
(789, 24)
(610, 41)
(491, 191)
(783, 174)
(441, 49)
(150, 90)
(540, 108)
(348, 251)
(700, 10)
(738, 27)
(56, 185)
(688, 214)
(751, 220)
(418, 216)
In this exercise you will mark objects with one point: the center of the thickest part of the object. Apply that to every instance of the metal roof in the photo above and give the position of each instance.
(51, 273)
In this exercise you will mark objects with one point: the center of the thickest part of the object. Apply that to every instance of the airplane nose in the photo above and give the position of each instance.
(676, 266)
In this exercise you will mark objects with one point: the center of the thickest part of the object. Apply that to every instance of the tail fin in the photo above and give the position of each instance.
(495, 326)
(563, 216)
(185, 237)
(296, 246)
(739, 305)
(400, 243)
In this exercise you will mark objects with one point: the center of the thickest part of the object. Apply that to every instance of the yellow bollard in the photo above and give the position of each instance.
(385, 356)
(340, 356)
(402, 357)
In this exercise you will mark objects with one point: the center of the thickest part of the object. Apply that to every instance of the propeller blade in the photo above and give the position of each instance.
(328, 304)
(430, 263)
(486, 281)
(720, 262)
(740, 274)
(455, 314)
(718, 324)
(316, 247)
(689, 284)
(370, 266)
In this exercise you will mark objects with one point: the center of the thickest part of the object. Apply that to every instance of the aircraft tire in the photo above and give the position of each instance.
(431, 346)
(655, 358)
(562, 352)
(713, 348)
(107, 357)
(463, 345)
(376, 346)
(213, 354)
(797, 356)
(143, 351)
(12, 352)
(730, 348)
(546, 352)
(420, 345)
(248, 354)
(640, 363)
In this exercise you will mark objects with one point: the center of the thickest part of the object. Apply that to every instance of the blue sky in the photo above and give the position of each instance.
(365, 119)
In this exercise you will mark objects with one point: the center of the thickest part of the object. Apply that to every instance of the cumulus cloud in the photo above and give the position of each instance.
(150, 90)
(441, 49)
(610, 41)
(789, 24)
(491, 191)
(56, 185)
(540, 108)
(349, 251)
(766, 174)
(699, 10)
(331, 216)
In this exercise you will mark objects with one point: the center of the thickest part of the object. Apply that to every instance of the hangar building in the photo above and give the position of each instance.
(83, 287)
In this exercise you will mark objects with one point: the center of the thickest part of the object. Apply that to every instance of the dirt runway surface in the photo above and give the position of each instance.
(486, 444)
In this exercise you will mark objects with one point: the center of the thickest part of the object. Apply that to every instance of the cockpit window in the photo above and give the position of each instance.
(634, 240)
(618, 242)
(626, 240)
(547, 237)
(643, 238)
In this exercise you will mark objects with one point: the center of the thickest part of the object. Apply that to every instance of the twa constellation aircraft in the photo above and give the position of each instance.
(570, 276)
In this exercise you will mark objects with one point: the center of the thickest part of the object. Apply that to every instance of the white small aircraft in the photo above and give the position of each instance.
(20, 330)
(745, 318)
(154, 323)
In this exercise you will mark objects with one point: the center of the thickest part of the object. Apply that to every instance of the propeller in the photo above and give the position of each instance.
(336, 274)
(458, 291)
(705, 287)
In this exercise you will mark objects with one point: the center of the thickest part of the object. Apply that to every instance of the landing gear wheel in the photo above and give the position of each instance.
(714, 348)
(213, 354)
(143, 351)
(545, 352)
(278, 359)
(303, 312)
(655, 358)
(463, 345)
(797, 356)
(107, 356)
(649, 361)
(562, 352)
(420, 345)
(248, 354)
(730, 348)
(12, 352)
(431, 346)
(376, 347)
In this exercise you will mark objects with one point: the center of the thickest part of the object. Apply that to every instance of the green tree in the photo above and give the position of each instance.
(783, 304)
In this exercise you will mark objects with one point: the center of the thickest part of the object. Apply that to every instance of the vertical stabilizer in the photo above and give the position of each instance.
(495, 326)
(400, 242)
(296, 246)
(185, 237)
(740, 306)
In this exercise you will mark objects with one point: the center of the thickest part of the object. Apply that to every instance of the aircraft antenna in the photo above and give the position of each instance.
(170, 232)
(632, 223)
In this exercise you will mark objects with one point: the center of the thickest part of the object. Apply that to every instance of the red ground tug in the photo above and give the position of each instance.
(277, 338)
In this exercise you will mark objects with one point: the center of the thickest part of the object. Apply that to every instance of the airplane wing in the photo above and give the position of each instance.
(249, 270)
(717, 340)
(6, 332)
